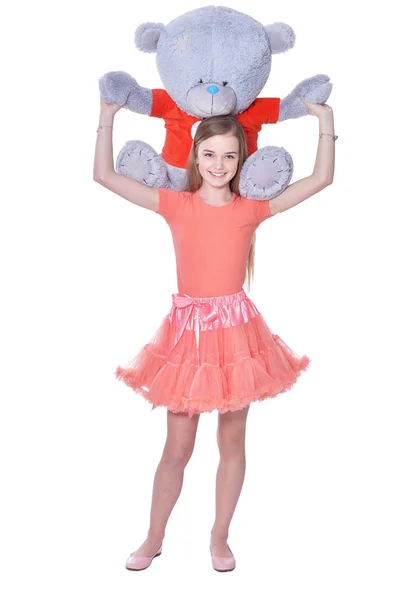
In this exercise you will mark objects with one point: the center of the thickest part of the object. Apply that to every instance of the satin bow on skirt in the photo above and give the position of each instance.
(209, 313)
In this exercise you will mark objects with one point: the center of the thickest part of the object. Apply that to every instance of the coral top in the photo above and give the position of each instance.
(178, 124)
(211, 242)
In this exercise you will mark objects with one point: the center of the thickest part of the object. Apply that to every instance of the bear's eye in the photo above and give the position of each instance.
(224, 83)
(200, 81)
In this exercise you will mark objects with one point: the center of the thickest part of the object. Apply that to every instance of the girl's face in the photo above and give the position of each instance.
(217, 159)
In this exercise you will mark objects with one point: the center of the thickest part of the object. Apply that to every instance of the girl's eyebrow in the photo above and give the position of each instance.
(232, 152)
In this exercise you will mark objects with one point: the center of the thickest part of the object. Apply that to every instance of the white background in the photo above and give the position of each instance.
(87, 278)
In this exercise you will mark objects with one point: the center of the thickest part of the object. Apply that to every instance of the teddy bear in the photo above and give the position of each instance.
(212, 61)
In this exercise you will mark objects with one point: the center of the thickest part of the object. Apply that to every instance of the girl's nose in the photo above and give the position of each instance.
(212, 89)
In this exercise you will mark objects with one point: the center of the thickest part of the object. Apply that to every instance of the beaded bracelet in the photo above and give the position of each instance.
(334, 137)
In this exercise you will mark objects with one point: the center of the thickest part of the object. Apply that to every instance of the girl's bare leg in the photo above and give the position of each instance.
(168, 480)
(230, 475)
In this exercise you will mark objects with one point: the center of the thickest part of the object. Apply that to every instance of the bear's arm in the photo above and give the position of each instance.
(139, 99)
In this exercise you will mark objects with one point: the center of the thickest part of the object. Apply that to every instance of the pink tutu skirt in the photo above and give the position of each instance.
(214, 353)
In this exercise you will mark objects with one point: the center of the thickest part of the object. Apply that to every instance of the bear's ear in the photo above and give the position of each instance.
(147, 35)
(281, 37)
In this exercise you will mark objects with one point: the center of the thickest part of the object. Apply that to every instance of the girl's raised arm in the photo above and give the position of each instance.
(323, 171)
(104, 172)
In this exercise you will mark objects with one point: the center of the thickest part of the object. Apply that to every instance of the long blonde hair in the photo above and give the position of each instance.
(221, 125)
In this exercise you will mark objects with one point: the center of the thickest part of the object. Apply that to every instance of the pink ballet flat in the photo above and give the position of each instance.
(138, 563)
(223, 564)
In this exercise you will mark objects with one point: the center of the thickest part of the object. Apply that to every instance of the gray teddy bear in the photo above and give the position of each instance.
(212, 61)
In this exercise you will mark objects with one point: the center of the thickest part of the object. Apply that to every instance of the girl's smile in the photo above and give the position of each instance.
(217, 174)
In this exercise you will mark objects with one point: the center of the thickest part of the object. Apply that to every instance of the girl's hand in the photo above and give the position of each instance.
(109, 108)
(317, 110)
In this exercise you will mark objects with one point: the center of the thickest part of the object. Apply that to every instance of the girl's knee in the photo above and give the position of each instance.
(231, 444)
(176, 455)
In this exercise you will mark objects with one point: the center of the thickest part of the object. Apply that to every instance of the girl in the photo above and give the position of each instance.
(213, 350)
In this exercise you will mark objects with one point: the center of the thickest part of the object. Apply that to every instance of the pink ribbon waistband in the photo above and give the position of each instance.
(212, 313)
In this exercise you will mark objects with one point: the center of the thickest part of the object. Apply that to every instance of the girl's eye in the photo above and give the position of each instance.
(208, 154)
(224, 83)
(230, 156)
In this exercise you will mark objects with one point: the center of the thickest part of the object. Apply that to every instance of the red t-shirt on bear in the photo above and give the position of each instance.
(178, 125)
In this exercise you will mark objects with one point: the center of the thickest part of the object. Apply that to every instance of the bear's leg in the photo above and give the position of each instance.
(177, 178)
(266, 173)
(139, 161)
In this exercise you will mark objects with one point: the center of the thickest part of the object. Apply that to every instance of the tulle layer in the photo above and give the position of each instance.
(225, 369)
